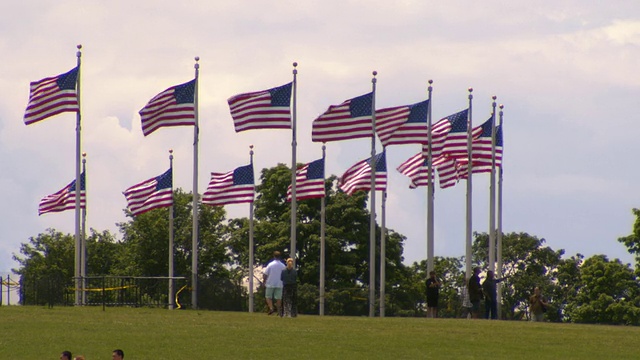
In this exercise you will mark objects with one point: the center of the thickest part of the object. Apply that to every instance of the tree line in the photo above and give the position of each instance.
(591, 290)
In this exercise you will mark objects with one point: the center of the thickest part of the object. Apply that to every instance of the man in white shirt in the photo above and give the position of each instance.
(273, 282)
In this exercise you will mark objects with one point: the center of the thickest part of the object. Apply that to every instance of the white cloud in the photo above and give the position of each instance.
(561, 69)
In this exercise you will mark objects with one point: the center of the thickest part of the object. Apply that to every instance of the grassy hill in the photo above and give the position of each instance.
(42, 333)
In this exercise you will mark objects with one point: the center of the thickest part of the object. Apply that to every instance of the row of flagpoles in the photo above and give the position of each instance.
(452, 146)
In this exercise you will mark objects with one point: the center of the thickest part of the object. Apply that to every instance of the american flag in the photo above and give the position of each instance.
(234, 187)
(481, 153)
(416, 168)
(447, 171)
(455, 144)
(349, 120)
(154, 193)
(267, 109)
(309, 181)
(172, 107)
(64, 199)
(403, 124)
(51, 96)
(358, 177)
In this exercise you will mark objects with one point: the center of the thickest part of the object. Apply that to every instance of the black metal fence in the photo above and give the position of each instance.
(132, 291)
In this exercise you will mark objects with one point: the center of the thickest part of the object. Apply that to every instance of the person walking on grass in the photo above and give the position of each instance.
(273, 283)
(537, 305)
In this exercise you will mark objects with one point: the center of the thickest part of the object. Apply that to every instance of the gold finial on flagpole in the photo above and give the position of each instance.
(197, 65)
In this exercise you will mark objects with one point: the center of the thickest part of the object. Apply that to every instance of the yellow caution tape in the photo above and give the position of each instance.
(105, 289)
(178, 293)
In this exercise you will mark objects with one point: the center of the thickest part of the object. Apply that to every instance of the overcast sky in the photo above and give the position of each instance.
(566, 72)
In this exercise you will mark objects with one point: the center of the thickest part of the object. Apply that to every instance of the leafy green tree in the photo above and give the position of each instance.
(145, 249)
(527, 263)
(449, 271)
(608, 294)
(46, 267)
(632, 241)
(346, 241)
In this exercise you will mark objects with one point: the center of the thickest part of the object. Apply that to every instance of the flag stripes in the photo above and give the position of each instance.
(349, 120)
(173, 107)
(309, 181)
(403, 124)
(150, 194)
(64, 199)
(51, 96)
(358, 177)
(233, 187)
(267, 109)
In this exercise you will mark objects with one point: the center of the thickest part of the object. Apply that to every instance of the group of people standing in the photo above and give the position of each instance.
(473, 292)
(280, 282)
(115, 355)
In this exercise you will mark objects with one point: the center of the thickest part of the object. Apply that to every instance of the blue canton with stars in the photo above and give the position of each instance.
(361, 105)
(243, 175)
(316, 170)
(418, 112)
(72, 186)
(281, 96)
(185, 93)
(67, 81)
(499, 135)
(486, 128)
(165, 180)
(459, 121)
(381, 162)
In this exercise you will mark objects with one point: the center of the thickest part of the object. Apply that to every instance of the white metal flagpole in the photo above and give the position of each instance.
(171, 270)
(251, 245)
(83, 243)
(499, 231)
(469, 187)
(383, 251)
(322, 242)
(492, 191)
(78, 262)
(294, 200)
(194, 240)
(372, 202)
(430, 188)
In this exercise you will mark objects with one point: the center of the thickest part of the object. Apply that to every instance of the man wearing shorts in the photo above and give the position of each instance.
(273, 283)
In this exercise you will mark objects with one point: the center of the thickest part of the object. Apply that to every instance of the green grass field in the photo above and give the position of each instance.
(42, 333)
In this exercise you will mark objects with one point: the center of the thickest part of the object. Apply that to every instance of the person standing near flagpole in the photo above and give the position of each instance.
(273, 283)
(475, 292)
(433, 292)
(289, 277)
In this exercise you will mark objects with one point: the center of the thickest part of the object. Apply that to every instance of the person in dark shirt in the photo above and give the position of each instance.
(433, 292)
(289, 278)
(490, 295)
(475, 292)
